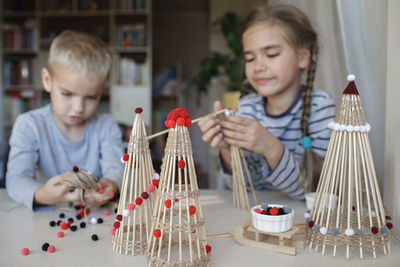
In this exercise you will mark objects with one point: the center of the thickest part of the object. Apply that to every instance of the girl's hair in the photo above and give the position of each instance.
(299, 33)
(79, 51)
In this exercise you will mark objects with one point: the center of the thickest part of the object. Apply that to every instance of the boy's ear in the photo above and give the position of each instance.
(46, 79)
(304, 57)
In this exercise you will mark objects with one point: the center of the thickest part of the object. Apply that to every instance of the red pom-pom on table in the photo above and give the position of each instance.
(51, 249)
(157, 233)
(273, 211)
(106, 213)
(81, 212)
(25, 251)
(116, 225)
(138, 201)
(374, 230)
(60, 234)
(181, 164)
(138, 110)
(192, 210)
(180, 121)
(208, 248)
(168, 203)
(64, 225)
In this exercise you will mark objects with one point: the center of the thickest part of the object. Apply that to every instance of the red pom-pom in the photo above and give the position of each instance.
(155, 182)
(138, 201)
(145, 195)
(131, 206)
(125, 157)
(257, 210)
(119, 217)
(113, 231)
(157, 233)
(181, 164)
(64, 225)
(389, 225)
(180, 121)
(172, 123)
(87, 211)
(387, 217)
(51, 249)
(150, 188)
(116, 225)
(60, 234)
(264, 212)
(106, 213)
(310, 224)
(81, 212)
(100, 191)
(208, 248)
(166, 123)
(111, 194)
(273, 211)
(374, 230)
(25, 251)
(168, 203)
(188, 122)
(192, 210)
(138, 110)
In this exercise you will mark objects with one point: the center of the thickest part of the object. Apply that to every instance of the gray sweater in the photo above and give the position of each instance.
(37, 144)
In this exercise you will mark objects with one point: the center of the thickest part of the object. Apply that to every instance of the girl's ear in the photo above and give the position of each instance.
(46, 79)
(304, 57)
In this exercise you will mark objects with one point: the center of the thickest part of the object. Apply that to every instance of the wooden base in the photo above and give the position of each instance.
(246, 235)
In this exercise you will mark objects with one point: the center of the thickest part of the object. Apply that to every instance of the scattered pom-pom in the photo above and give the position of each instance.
(111, 195)
(138, 110)
(62, 215)
(52, 223)
(351, 77)
(181, 164)
(25, 251)
(60, 234)
(192, 210)
(157, 233)
(64, 225)
(168, 203)
(374, 230)
(75, 168)
(208, 248)
(58, 222)
(113, 231)
(116, 225)
(73, 228)
(71, 220)
(82, 225)
(81, 212)
(78, 217)
(106, 213)
(51, 249)
(100, 191)
(131, 206)
(144, 195)
(155, 182)
(95, 237)
(93, 220)
(45, 246)
(100, 220)
(150, 188)
(138, 201)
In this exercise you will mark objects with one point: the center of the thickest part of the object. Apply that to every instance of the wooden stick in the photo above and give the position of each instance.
(193, 121)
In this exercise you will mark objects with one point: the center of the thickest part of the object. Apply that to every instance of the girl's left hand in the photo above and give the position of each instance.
(247, 133)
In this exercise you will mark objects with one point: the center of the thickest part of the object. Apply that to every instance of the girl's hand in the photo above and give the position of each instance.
(95, 199)
(210, 126)
(55, 191)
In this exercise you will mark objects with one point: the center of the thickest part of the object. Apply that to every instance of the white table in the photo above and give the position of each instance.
(19, 227)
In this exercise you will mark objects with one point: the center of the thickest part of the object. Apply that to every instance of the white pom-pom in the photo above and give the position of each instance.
(349, 128)
(368, 127)
(125, 213)
(349, 232)
(156, 176)
(93, 220)
(331, 125)
(122, 159)
(336, 126)
(342, 127)
(373, 214)
(323, 230)
(306, 215)
(362, 128)
(357, 128)
(351, 77)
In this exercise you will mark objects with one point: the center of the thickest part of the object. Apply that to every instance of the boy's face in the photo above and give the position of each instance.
(74, 95)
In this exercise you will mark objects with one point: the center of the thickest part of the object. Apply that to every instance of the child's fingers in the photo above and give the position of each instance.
(211, 133)
(208, 124)
(215, 142)
(217, 106)
(233, 126)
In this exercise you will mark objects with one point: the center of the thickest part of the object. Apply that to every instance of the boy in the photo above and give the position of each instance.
(66, 132)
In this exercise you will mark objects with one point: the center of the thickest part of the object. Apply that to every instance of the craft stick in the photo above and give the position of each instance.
(193, 121)
(356, 176)
(248, 175)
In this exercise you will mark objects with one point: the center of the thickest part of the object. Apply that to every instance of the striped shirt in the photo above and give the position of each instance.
(286, 127)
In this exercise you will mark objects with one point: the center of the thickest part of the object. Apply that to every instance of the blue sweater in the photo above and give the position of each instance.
(286, 127)
(37, 144)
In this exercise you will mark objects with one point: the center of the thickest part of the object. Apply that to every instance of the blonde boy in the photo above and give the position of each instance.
(68, 131)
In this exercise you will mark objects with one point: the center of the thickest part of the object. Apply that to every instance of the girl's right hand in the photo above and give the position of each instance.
(211, 128)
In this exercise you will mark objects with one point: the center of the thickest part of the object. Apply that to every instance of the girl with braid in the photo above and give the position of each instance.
(280, 123)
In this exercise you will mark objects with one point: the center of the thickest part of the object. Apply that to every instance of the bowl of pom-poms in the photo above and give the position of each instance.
(272, 218)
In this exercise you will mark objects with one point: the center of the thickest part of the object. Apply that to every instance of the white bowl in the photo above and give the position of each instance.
(270, 223)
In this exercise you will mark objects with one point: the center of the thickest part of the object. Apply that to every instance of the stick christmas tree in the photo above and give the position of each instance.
(348, 210)
(132, 226)
(178, 234)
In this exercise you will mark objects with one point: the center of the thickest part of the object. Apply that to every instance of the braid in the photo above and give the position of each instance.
(308, 91)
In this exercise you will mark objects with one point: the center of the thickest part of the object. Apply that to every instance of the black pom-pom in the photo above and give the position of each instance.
(45, 246)
(70, 220)
(62, 215)
(99, 220)
(268, 210)
(73, 228)
(77, 207)
(281, 211)
(115, 210)
(52, 223)
(78, 217)
(75, 169)
(58, 222)
(83, 225)
(95, 237)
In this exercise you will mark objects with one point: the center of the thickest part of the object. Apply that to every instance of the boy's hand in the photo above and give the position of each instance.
(55, 191)
(210, 126)
(95, 199)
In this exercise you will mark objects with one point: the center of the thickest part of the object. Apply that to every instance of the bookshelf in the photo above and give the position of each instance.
(27, 29)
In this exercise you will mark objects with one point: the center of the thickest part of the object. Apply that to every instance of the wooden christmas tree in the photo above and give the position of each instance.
(178, 234)
(133, 221)
(348, 210)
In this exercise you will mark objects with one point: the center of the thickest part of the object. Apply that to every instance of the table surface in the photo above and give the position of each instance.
(20, 227)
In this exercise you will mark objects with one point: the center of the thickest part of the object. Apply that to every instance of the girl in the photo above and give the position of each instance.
(280, 119)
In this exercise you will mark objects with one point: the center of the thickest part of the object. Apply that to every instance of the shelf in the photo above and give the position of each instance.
(75, 13)
(118, 12)
(21, 88)
(140, 49)
(10, 14)
(11, 52)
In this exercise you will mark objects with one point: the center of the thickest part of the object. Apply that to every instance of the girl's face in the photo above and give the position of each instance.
(272, 66)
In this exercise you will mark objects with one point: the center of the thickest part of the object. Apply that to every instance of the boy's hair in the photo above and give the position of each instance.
(79, 51)
(299, 33)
